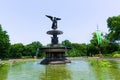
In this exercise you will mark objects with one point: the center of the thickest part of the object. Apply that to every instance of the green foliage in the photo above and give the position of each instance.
(114, 28)
(4, 69)
(93, 47)
(100, 63)
(105, 47)
(112, 47)
(25, 51)
(91, 50)
(66, 43)
(79, 49)
(107, 55)
(104, 67)
(4, 64)
(32, 49)
(76, 49)
(116, 54)
(4, 44)
(16, 50)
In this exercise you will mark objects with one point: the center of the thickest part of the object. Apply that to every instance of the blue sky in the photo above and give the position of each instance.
(25, 20)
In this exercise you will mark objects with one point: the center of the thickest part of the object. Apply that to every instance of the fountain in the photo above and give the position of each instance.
(55, 54)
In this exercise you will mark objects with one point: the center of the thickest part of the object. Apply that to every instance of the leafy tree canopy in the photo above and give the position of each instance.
(114, 28)
(4, 43)
(16, 50)
(32, 49)
(66, 43)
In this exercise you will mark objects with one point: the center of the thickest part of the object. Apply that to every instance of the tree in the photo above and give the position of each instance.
(32, 49)
(4, 44)
(76, 48)
(114, 28)
(93, 47)
(112, 47)
(66, 43)
(106, 47)
(79, 49)
(16, 50)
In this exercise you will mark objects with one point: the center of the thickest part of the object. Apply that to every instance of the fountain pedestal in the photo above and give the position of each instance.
(55, 54)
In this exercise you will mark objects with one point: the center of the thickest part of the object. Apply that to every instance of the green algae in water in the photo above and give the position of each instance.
(77, 70)
(4, 71)
(55, 72)
(106, 69)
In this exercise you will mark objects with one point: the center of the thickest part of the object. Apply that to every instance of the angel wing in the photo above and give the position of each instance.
(51, 18)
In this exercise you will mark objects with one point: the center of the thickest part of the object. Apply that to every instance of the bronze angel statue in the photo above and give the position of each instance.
(54, 20)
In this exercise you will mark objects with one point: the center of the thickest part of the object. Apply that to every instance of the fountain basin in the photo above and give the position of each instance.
(57, 32)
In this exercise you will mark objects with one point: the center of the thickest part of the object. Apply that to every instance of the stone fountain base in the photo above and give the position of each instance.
(55, 55)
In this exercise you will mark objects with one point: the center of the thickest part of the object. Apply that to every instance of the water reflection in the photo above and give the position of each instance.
(114, 70)
(80, 70)
(25, 71)
(105, 69)
(55, 72)
(4, 72)
(77, 70)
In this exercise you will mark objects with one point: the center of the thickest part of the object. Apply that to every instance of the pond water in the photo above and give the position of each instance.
(77, 70)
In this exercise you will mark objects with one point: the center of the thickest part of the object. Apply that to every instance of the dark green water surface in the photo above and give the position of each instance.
(77, 70)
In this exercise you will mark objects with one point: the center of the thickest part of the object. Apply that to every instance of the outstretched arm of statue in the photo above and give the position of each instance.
(58, 18)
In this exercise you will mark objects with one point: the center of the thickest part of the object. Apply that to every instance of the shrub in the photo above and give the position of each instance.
(116, 54)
